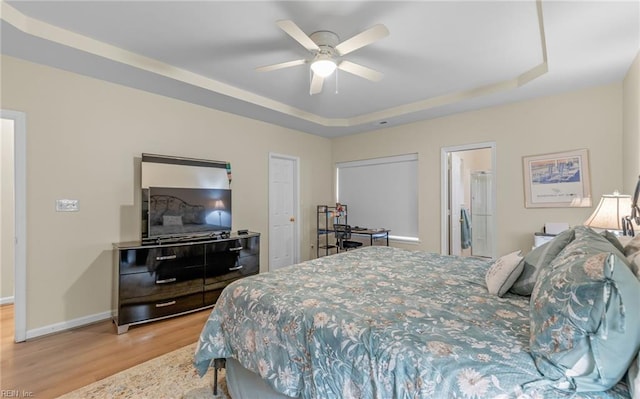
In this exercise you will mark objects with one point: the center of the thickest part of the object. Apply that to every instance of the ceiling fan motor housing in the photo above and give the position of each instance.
(327, 41)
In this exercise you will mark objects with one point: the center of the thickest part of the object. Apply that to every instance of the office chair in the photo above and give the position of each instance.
(343, 237)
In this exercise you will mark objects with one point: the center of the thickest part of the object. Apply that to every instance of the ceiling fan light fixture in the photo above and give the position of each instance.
(323, 66)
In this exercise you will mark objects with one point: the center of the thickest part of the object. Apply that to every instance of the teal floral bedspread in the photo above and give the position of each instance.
(379, 322)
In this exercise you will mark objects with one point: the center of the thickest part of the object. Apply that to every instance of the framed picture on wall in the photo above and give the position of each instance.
(557, 180)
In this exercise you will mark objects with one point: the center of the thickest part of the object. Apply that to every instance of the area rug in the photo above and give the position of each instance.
(170, 376)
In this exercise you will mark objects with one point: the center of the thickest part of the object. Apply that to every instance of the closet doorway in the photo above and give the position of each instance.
(468, 200)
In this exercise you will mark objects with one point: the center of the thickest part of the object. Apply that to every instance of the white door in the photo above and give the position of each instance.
(283, 211)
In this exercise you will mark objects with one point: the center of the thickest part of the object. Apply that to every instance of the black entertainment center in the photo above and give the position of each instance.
(187, 253)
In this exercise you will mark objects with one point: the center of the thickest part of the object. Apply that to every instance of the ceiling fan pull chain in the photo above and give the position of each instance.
(336, 81)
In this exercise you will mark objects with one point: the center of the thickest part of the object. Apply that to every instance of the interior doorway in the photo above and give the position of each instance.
(13, 237)
(468, 200)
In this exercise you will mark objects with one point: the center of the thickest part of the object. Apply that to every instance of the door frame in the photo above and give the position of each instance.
(444, 191)
(20, 210)
(455, 241)
(296, 206)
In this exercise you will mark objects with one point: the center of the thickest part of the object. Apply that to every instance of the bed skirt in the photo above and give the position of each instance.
(245, 384)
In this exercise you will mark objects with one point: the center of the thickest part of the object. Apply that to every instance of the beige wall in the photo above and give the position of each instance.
(590, 118)
(85, 138)
(84, 142)
(631, 135)
(6, 209)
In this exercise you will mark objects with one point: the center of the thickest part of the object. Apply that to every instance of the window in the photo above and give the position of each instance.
(381, 192)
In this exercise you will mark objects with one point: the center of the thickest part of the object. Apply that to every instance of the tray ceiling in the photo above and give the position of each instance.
(440, 57)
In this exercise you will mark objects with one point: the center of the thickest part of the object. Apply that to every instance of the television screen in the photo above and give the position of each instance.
(187, 212)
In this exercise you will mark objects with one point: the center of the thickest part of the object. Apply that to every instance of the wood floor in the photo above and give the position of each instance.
(59, 363)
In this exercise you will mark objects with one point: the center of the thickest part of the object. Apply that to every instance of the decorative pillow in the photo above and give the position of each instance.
(633, 378)
(168, 220)
(613, 239)
(632, 251)
(585, 330)
(503, 273)
(538, 258)
(633, 246)
(635, 265)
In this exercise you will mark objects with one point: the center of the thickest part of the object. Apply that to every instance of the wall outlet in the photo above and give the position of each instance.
(67, 205)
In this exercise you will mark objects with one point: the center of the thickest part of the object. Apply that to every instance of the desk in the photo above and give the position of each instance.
(373, 234)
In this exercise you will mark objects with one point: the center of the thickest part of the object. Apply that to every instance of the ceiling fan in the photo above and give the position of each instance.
(327, 50)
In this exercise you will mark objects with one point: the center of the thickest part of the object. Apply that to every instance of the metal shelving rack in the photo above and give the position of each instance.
(326, 217)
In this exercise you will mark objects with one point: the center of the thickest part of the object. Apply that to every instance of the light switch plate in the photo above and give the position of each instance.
(67, 205)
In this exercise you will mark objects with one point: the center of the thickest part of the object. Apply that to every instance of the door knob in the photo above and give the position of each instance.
(292, 219)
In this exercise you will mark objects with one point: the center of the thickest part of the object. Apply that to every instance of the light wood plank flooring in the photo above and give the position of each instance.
(59, 363)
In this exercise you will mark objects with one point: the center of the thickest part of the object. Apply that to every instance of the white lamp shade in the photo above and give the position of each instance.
(609, 212)
(323, 67)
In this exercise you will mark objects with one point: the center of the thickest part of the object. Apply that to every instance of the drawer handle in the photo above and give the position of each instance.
(162, 305)
(236, 249)
(236, 268)
(167, 280)
(166, 257)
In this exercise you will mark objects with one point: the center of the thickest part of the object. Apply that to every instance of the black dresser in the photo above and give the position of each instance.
(156, 281)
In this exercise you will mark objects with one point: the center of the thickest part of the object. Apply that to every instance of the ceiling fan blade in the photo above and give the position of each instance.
(359, 70)
(316, 84)
(281, 65)
(362, 39)
(297, 34)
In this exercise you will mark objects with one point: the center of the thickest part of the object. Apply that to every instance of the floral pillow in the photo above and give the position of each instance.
(585, 330)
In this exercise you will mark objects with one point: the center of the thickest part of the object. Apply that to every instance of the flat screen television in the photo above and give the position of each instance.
(176, 212)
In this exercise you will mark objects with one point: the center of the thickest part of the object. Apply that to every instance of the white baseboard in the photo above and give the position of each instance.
(67, 325)
(6, 300)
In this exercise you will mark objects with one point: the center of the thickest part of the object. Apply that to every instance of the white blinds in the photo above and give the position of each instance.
(381, 192)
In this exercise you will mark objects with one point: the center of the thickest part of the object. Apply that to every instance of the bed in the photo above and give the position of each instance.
(384, 322)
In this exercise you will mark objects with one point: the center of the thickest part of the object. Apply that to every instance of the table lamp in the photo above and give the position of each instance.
(610, 212)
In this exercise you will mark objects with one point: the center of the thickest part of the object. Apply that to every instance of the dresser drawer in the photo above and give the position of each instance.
(167, 282)
(150, 310)
(212, 295)
(161, 258)
(250, 246)
(242, 267)
(238, 247)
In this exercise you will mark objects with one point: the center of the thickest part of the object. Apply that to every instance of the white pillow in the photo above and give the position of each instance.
(503, 273)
